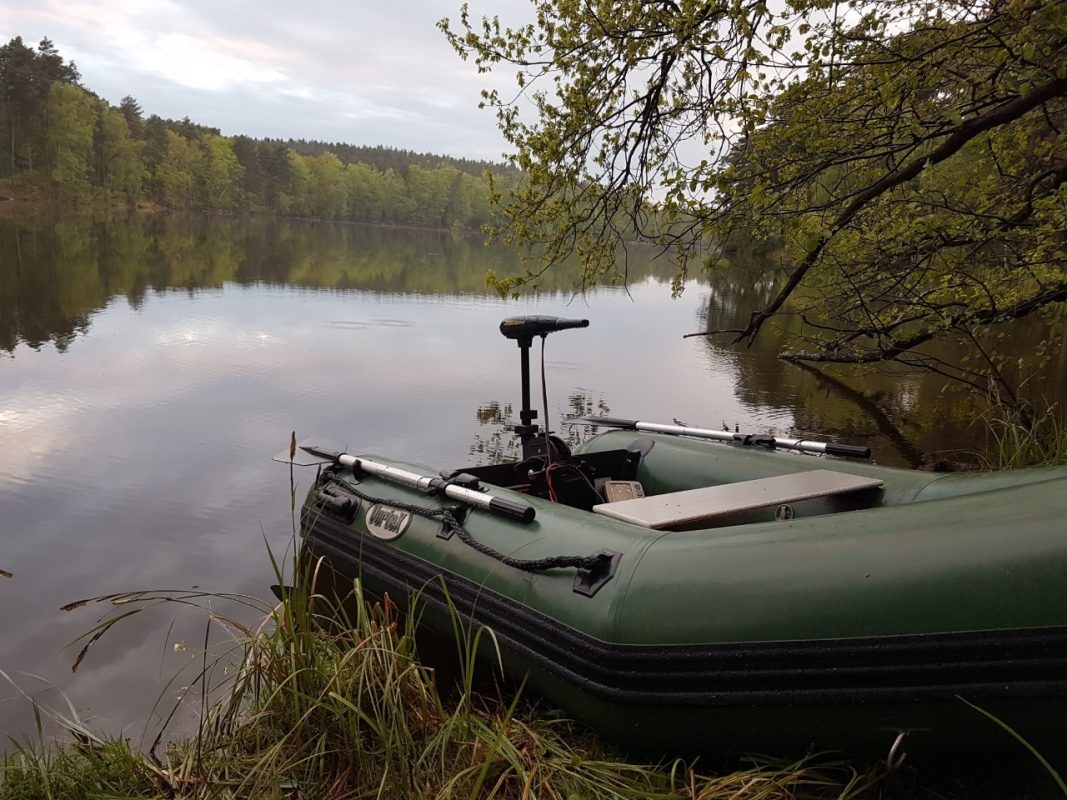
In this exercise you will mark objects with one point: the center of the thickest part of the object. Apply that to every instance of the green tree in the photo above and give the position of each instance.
(121, 170)
(71, 123)
(327, 190)
(253, 177)
(26, 78)
(397, 205)
(469, 204)
(19, 95)
(296, 197)
(132, 113)
(154, 139)
(909, 156)
(431, 193)
(177, 171)
(365, 193)
(277, 172)
(220, 174)
(51, 66)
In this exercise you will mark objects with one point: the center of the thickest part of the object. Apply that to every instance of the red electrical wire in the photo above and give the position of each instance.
(548, 444)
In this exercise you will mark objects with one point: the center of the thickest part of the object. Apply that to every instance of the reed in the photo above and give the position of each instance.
(329, 700)
(1021, 439)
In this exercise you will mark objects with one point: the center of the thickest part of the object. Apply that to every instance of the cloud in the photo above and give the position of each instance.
(198, 64)
(366, 73)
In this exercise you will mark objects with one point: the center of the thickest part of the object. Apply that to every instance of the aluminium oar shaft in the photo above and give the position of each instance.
(428, 483)
(805, 445)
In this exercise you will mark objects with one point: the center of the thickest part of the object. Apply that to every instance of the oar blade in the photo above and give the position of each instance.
(603, 422)
(303, 458)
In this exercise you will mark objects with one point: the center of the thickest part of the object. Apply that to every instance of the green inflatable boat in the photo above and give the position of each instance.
(680, 594)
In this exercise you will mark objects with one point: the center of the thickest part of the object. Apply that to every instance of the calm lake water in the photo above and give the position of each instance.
(150, 367)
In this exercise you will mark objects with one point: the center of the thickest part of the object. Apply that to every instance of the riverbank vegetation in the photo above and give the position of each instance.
(304, 707)
(1024, 439)
(61, 145)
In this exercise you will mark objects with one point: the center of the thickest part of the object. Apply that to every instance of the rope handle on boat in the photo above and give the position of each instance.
(596, 563)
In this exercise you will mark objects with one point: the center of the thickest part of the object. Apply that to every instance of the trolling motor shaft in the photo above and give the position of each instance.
(523, 330)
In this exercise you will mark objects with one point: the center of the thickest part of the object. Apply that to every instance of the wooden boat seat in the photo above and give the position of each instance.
(698, 505)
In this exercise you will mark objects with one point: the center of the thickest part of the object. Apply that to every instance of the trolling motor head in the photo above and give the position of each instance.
(523, 330)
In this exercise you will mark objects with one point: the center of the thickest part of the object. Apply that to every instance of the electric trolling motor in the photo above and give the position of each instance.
(523, 330)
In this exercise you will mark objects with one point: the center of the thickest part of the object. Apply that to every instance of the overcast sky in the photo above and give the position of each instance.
(338, 70)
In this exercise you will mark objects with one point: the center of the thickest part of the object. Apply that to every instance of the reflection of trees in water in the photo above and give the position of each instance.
(35, 301)
(54, 276)
(902, 414)
(498, 444)
(875, 413)
(735, 293)
(877, 408)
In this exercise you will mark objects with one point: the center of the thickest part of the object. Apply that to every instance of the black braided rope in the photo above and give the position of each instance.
(455, 526)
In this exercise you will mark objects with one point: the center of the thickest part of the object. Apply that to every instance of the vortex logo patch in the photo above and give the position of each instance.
(387, 523)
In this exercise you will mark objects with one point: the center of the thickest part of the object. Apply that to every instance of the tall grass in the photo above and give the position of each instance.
(329, 700)
(1020, 439)
(84, 771)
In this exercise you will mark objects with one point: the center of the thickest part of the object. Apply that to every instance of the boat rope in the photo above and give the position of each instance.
(448, 518)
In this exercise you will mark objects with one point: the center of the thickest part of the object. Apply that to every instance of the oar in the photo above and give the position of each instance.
(807, 446)
(426, 483)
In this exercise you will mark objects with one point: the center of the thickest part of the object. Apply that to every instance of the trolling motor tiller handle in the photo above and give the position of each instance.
(523, 330)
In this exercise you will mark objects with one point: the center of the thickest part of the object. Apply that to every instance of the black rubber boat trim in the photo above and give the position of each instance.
(1026, 662)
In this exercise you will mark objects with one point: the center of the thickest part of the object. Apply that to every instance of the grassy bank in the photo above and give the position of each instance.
(302, 709)
(317, 701)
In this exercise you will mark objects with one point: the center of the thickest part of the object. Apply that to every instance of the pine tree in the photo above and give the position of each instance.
(131, 110)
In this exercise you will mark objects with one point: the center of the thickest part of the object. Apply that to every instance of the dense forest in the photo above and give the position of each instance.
(57, 134)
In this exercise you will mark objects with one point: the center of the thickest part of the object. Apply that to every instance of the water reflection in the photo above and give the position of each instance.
(55, 277)
(495, 443)
(909, 418)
